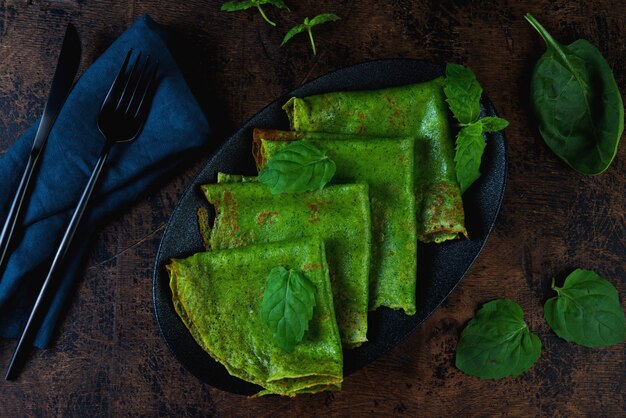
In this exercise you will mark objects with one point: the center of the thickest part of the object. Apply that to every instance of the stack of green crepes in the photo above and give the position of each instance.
(355, 239)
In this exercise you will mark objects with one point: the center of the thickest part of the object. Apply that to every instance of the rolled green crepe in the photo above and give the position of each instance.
(416, 110)
(386, 165)
(248, 213)
(218, 295)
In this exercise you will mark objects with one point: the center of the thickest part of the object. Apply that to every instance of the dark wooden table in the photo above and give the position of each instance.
(109, 358)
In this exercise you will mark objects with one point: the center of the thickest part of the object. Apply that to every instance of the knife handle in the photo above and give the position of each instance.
(15, 211)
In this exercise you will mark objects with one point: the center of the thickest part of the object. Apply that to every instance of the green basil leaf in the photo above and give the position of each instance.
(470, 145)
(462, 93)
(497, 343)
(287, 306)
(577, 103)
(323, 18)
(586, 311)
(293, 32)
(300, 167)
(276, 3)
(493, 123)
(234, 6)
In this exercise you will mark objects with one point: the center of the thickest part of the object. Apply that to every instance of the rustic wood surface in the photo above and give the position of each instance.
(109, 358)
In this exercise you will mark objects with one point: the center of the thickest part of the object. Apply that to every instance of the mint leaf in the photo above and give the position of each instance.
(493, 123)
(497, 343)
(300, 167)
(234, 6)
(462, 93)
(287, 306)
(470, 145)
(323, 18)
(306, 27)
(586, 311)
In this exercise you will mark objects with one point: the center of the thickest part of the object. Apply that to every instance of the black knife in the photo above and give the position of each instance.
(67, 66)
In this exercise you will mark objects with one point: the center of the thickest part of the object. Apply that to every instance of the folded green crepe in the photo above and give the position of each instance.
(386, 165)
(248, 213)
(218, 295)
(416, 110)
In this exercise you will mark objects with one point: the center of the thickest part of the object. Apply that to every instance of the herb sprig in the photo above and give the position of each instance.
(463, 92)
(307, 25)
(235, 6)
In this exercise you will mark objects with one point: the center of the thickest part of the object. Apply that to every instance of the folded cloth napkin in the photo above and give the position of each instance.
(175, 129)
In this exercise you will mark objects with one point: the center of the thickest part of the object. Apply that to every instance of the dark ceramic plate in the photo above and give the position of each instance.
(440, 266)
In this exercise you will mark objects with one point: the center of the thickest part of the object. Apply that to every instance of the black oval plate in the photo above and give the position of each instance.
(440, 266)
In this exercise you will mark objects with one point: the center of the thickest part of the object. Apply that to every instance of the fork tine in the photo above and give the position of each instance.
(129, 83)
(142, 77)
(120, 79)
(142, 106)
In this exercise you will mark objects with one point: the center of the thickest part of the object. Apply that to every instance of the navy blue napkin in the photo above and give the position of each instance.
(174, 130)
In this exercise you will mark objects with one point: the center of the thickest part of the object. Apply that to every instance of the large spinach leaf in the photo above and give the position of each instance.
(586, 311)
(497, 343)
(577, 103)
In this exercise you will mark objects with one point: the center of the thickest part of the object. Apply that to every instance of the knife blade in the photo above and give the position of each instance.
(62, 81)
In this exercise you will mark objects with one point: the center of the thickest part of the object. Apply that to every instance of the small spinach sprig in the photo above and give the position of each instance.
(307, 25)
(497, 343)
(234, 6)
(463, 96)
(300, 167)
(287, 306)
(586, 311)
(577, 103)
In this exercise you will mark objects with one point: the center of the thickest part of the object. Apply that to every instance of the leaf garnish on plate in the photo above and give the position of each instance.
(463, 93)
(586, 311)
(307, 25)
(287, 306)
(301, 167)
(497, 343)
(577, 103)
(235, 6)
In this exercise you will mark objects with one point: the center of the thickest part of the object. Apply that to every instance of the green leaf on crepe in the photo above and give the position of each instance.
(462, 93)
(470, 145)
(497, 343)
(586, 311)
(306, 27)
(234, 6)
(287, 306)
(300, 167)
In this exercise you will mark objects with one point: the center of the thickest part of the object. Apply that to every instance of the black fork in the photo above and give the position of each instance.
(121, 118)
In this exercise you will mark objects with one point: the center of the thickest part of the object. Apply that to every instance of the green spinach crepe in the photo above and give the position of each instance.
(417, 110)
(218, 294)
(248, 213)
(386, 165)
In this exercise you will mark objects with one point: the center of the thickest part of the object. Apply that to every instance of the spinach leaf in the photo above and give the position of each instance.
(300, 167)
(497, 343)
(577, 103)
(234, 6)
(306, 27)
(463, 92)
(586, 311)
(287, 306)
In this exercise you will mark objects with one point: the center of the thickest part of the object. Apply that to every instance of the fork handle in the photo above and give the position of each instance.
(32, 325)
(15, 211)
